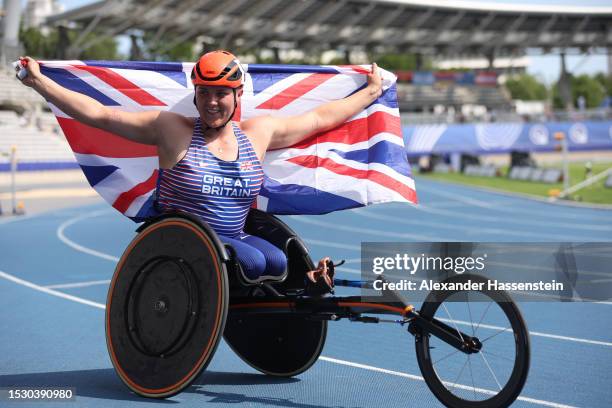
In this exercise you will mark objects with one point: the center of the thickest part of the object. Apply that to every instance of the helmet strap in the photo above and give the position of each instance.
(233, 111)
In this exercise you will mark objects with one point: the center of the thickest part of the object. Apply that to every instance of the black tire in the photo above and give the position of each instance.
(490, 391)
(166, 307)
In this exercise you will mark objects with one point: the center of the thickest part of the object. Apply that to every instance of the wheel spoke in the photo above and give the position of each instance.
(467, 297)
(495, 334)
(472, 375)
(482, 317)
(453, 321)
(456, 382)
(497, 355)
(491, 371)
(446, 356)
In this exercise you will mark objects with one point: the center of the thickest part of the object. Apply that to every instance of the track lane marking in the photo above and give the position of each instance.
(77, 284)
(487, 230)
(51, 292)
(77, 299)
(349, 270)
(419, 378)
(62, 237)
(436, 188)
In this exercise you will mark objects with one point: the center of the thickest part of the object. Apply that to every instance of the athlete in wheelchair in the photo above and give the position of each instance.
(209, 266)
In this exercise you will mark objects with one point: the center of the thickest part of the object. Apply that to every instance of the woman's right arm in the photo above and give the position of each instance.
(141, 127)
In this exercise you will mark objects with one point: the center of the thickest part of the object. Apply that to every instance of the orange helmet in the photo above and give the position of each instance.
(218, 68)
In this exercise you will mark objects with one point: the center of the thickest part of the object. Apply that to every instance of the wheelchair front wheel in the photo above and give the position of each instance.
(492, 377)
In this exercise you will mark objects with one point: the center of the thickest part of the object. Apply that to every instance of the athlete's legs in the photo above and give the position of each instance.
(257, 256)
(276, 261)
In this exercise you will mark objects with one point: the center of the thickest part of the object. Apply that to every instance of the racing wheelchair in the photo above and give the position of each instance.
(177, 289)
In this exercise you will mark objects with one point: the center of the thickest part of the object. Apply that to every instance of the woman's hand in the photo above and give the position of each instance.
(322, 277)
(375, 81)
(33, 69)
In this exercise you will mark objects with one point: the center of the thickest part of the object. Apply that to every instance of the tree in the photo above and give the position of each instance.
(183, 51)
(583, 85)
(526, 88)
(103, 50)
(400, 62)
(605, 81)
(34, 42)
(39, 45)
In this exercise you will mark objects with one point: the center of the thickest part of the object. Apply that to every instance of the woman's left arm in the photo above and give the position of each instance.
(287, 131)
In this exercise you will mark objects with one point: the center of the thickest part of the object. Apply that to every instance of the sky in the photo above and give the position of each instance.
(546, 67)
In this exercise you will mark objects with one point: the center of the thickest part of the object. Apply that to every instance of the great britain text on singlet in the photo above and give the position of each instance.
(226, 186)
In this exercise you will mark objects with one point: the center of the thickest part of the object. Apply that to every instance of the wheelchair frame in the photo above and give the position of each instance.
(177, 289)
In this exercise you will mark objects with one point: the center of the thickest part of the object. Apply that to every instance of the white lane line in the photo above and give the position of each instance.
(50, 291)
(350, 270)
(367, 231)
(78, 284)
(458, 197)
(413, 221)
(419, 378)
(62, 237)
(332, 360)
(538, 334)
(330, 244)
(506, 207)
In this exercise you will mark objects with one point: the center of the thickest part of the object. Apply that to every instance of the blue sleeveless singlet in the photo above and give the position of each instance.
(218, 191)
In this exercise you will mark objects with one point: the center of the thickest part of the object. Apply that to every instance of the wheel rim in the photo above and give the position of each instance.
(493, 376)
(170, 271)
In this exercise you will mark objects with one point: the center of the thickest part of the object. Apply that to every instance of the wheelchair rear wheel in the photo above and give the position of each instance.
(166, 307)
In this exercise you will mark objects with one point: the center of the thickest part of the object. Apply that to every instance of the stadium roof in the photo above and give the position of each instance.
(441, 28)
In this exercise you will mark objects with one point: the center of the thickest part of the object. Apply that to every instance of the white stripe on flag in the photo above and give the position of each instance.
(359, 190)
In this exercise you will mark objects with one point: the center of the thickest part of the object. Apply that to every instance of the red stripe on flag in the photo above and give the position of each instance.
(125, 199)
(123, 85)
(358, 130)
(372, 175)
(356, 68)
(85, 139)
(295, 91)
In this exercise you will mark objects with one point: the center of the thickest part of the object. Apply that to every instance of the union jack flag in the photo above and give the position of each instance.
(361, 162)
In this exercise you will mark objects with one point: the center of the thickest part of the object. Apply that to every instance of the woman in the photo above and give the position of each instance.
(211, 166)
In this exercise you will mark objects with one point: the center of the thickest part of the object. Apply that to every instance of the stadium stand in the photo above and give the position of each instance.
(36, 149)
(13, 94)
(413, 98)
(39, 142)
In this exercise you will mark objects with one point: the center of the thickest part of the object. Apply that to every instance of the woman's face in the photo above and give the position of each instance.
(215, 104)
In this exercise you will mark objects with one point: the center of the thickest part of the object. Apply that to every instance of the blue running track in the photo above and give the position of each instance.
(55, 269)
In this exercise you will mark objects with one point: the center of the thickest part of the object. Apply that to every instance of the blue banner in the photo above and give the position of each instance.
(483, 138)
(423, 78)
